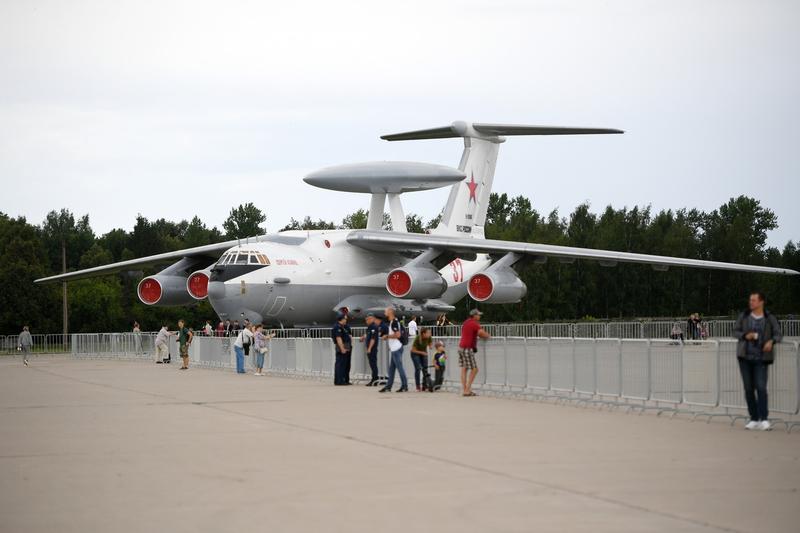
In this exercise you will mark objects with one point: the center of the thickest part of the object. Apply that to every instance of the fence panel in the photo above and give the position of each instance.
(790, 328)
(666, 371)
(729, 381)
(278, 354)
(303, 361)
(537, 354)
(585, 370)
(555, 330)
(624, 330)
(608, 353)
(659, 329)
(495, 365)
(562, 364)
(590, 330)
(700, 371)
(784, 393)
(516, 363)
(635, 369)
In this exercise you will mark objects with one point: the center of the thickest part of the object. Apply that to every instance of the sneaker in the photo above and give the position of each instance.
(256, 373)
(753, 424)
(764, 425)
(25, 362)
(402, 389)
(385, 389)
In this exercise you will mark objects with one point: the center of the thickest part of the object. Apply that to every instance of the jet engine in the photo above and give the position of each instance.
(174, 285)
(164, 290)
(497, 285)
(197, 284)
(418, 282)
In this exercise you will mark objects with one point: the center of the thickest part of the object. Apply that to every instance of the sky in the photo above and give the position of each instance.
(175, 109)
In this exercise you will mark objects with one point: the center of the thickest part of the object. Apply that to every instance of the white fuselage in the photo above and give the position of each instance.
(303, 283)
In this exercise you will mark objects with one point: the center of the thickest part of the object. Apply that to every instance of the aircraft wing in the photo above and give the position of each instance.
(384, 241)
(211, 252)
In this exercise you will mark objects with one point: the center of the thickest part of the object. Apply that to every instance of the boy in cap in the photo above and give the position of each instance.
(439, 364)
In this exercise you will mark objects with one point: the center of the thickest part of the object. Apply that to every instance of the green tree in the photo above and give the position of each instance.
(356, 220)
(244, 221)
(308, 224)
(60, 229)
(23, 258)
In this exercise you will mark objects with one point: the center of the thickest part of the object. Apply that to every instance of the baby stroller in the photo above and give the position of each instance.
(430, 384)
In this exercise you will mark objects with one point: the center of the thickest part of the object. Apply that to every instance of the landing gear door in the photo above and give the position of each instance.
(277, 306)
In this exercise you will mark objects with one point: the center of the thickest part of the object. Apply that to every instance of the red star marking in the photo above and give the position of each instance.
(472, 188)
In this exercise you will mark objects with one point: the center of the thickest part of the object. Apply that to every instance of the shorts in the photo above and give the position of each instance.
(184, 350)
(466, 358)
(162, 352)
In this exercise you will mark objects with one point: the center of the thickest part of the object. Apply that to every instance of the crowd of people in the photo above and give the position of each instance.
(696, 329)
(249, 337)
(397, 335)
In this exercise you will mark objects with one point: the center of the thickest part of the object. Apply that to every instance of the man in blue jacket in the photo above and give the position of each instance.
(342, 343)
(757, 331)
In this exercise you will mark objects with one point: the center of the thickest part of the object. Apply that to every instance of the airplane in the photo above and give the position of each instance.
(302, 278)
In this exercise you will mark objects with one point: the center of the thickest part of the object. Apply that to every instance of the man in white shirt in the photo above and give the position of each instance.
(245, 336)
(396, 349)
(208, 329)
(412, 327)
(162, 348)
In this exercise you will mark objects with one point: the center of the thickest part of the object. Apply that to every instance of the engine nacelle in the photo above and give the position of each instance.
(197, 284)
(417, 283)
(497, 286)
(164, 290)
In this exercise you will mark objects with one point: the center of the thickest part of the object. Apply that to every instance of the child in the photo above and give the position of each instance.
(439, 363)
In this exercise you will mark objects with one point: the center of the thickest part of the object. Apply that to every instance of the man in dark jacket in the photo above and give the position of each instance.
(757, 331)
(342, 341)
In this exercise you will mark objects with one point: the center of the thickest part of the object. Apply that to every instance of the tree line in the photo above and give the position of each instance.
(735, 232)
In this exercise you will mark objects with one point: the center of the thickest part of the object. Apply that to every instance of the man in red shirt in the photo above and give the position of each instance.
(471, 330)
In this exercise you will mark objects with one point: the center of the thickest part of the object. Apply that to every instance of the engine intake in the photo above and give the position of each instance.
(163, 290)
(497, 286)
(416, 283)
(197, 284)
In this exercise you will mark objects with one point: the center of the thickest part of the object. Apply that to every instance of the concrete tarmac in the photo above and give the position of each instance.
(97, 445)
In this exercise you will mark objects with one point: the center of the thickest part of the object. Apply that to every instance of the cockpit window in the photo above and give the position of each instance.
(243, 257)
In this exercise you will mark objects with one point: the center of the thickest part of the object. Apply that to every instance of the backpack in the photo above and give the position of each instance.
(403, 335)
(403, 332)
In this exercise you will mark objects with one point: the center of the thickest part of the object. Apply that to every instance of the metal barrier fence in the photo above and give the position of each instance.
(662, 329)
(648, 329)
(49, 343)
(696, 377)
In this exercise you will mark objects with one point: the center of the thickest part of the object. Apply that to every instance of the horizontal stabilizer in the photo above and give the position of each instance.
(464, 129)
(514, 129)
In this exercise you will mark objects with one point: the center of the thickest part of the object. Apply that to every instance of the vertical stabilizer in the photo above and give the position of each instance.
(465, 212)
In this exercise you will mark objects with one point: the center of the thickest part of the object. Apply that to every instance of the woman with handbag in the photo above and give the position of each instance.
(261, 341)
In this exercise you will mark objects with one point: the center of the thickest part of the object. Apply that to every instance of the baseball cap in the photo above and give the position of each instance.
(340, 315)
(371, 314)
(475, 312)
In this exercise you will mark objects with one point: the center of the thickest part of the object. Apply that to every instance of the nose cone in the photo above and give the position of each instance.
(216, 290)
